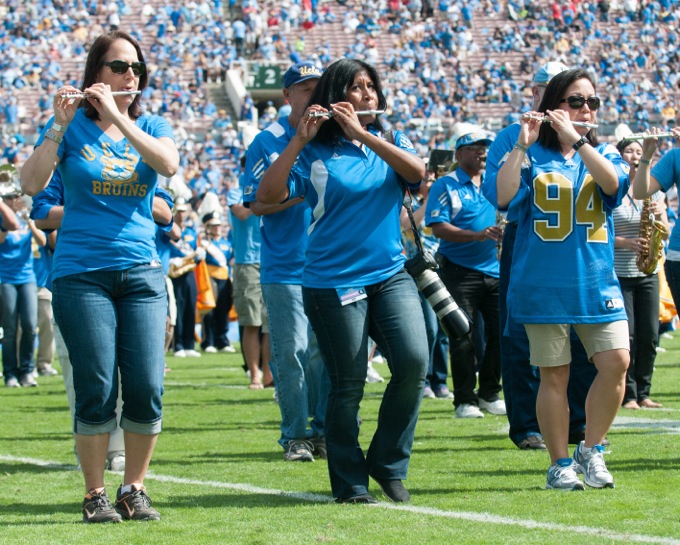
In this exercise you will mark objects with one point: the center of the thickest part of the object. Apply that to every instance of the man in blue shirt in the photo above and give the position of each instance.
(299, 373)
(466, 224)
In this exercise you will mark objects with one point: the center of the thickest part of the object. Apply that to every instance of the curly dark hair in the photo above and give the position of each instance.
(554, 92)
(333, 86)
(94, 63)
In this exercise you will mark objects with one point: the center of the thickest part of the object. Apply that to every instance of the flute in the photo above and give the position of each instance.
(548, 120)
(361, 112)
(84, 95)
(643, 136)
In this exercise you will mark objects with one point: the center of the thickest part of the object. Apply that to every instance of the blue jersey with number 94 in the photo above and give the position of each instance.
(563, 261)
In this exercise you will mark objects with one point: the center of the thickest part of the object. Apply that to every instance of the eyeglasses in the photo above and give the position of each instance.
(121, 67)
(577, 102)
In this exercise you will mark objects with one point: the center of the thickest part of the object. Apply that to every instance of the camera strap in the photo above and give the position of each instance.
(407, 201)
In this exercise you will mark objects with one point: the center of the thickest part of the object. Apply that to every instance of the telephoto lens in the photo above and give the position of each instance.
(453, 319)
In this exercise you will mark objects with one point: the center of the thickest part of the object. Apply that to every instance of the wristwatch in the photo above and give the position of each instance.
(58, 128)
(580, 142)
(54, 136)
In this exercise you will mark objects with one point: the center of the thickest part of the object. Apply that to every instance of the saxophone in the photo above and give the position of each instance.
(654, 232)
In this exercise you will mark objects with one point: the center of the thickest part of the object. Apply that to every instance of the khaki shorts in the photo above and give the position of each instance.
(550, 347)
(248, 301)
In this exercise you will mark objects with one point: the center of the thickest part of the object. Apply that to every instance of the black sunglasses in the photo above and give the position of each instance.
(576, 102)
(121, 67)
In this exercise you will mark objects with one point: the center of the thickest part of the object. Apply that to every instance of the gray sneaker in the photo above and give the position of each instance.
(298, 450)
(12, 382)
(590, 462)
(27, 381)
(562, 476)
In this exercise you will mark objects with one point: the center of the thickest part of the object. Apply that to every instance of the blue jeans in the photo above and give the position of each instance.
(437, 370)
(641, 298)
(475, 292)
(392, 316)
(111, 321)
(302, 383)
(521, 379)
(19, 305)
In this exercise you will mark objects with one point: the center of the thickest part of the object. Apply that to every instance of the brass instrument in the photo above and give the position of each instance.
(188, 264)
(9, 181)
(501, 222)
(654, 232)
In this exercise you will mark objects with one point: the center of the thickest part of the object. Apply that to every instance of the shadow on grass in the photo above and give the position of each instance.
(22, 467)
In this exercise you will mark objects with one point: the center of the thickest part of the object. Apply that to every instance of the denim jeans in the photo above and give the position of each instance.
(19, 306)
(672, 270)
(114, 321)
(438, 368)
(474, 292)
(300, 378)
(521, 379)
(641, 298)
(392, 316)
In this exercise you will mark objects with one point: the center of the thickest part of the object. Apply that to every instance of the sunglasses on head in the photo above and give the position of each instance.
(576, 102)
(121, 67)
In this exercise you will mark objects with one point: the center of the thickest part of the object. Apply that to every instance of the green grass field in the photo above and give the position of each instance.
(218, 475)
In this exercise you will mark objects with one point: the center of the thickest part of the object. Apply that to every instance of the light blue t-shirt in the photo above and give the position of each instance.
(356, 199)
(246, 234)
(563, 260)
(108, 194)
(667, 173)
(456, 200)
(16, 256)
(284, 234)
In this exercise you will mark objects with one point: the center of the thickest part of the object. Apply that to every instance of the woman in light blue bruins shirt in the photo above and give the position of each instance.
(354, 281)
(108, 285)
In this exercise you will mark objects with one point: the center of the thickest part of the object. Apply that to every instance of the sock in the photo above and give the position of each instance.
(564, 462)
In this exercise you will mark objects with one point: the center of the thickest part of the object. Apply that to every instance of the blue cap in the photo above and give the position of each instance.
(548, 71)
(299, 72)
(478, 137)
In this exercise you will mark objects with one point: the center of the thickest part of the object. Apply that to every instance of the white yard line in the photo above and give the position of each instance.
(484, 518)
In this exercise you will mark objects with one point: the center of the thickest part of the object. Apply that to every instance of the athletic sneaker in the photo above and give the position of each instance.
(428, 393)
(135, 505)
(192, 354)
(493, 407)
(210, 350)
(27, 381)
(372, 375)
(230, 349)
(319, 447)
(12, 382)
(180, 354)
(590, 462)
(562, 476)
(298, 450)
(468, 411)
(116, 461)
(443, 393)
(47, 370)
(97, 508)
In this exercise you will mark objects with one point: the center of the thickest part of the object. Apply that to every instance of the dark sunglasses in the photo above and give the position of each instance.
(121, 67)
(576, 102)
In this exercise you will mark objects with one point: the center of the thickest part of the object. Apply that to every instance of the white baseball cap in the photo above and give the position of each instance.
(548, 71)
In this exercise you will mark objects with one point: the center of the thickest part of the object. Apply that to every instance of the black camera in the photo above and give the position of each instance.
(454, 319)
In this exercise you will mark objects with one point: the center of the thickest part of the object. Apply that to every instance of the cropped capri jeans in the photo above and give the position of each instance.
(111, 321)
(392, 316)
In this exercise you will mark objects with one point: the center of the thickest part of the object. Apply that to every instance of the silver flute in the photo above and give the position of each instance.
(643, 136)
(360, 112)
(84, 95)
(548, 120)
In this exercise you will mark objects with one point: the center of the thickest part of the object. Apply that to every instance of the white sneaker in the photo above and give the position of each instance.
(493, 407)
(468, 411)
(372, 375)
(192, 354)
(563, 476)
(180, 354)
(117, 461)
(229, 349)
(590, 462)
(47, 370)
(378, 359)
(210, 350)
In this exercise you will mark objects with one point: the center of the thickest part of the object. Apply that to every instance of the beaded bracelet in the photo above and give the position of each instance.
(521, 147)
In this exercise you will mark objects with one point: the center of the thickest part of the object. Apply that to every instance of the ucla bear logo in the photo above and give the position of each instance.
(119, 175)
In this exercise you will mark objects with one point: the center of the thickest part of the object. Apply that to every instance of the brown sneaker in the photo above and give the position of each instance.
(135, 505)
(97, 508)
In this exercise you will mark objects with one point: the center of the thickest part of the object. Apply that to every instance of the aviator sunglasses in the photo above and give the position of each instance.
(121, 67)
(576, 102)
